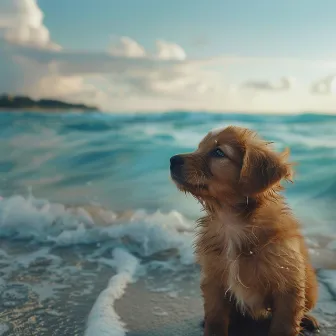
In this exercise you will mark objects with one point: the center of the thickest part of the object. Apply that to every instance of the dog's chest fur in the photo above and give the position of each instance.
(236, 261)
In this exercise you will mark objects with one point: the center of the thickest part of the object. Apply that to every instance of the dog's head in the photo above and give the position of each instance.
(230, 163)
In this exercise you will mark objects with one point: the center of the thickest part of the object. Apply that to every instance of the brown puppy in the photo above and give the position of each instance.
(253, 257)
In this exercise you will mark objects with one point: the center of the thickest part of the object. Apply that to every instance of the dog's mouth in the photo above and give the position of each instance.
(186, 186)
(179, 176)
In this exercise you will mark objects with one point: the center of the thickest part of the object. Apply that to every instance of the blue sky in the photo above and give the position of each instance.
(131, 55)
(303, 28)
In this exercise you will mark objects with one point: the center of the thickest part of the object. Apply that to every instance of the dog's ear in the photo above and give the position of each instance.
(262, 169)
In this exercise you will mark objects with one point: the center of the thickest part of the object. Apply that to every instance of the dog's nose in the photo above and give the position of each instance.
(176, 160)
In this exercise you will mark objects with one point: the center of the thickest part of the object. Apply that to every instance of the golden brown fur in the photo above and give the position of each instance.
(253, 257)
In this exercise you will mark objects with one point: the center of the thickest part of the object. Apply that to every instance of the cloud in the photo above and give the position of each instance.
(120, 81)
(167, 50)
(128, 76)
(127, 47)
(29, 60)
(21, 22)
(125, 69)
(69, 75)
(326, 86)
(283, 84)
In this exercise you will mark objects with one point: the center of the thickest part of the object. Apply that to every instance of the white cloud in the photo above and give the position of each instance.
(127, 69)
(127, 47)
(124, 83)
(21, 22)
(326, 85)
(24, 42)
(168, 50)
(127, 76)
(283, 84)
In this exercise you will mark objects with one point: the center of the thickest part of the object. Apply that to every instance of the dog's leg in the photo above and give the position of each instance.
(288, 312)
(217, 309)
(309, 322)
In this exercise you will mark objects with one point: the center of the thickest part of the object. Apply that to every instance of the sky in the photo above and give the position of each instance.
(155, 55)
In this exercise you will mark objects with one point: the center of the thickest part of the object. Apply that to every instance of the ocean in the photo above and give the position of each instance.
(87, 208)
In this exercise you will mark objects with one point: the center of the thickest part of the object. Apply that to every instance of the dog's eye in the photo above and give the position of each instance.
(219, 153)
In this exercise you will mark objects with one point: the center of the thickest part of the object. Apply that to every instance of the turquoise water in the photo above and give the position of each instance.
(120, 162)
(87, 197)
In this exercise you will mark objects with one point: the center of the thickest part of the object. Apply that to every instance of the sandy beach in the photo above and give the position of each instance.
(53, 292)
(166, 314)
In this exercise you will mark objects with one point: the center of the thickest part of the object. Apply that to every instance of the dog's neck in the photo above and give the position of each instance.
(243, 206)
(238, 223)
(230, 226)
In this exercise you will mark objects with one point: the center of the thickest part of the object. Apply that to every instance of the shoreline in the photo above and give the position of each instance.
(53, 291)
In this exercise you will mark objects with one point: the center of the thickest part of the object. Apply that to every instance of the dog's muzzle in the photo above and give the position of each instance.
(176, 167)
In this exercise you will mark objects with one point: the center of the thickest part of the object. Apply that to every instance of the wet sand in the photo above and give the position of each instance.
(165, 314)
(52, 294)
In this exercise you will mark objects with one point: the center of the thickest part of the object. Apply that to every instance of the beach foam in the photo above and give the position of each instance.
(3, 328)
(147, 234)
(142, 232)
(103, 320)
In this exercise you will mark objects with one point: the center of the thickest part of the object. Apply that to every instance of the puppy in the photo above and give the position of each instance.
(252, 255)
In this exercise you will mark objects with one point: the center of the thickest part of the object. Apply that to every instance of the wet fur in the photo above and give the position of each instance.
(252, 254)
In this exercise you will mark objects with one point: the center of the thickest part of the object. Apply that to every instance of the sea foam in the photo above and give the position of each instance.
(103, 319)
(144, 233)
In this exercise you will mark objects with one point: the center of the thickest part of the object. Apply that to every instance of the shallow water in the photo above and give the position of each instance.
(76, 189)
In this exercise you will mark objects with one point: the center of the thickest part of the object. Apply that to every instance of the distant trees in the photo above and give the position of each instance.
(22, 102)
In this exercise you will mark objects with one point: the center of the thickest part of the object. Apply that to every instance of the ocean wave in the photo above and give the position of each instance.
(143, 233)
(121, 162)
(134, 244)
(146, 235)
(81, 120)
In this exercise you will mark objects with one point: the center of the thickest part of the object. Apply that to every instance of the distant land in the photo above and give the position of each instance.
(22, 102)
